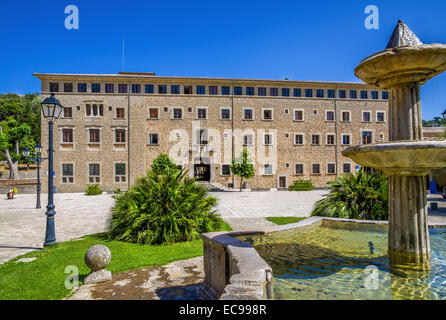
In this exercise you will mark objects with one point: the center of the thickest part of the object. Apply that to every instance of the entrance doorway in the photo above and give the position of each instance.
(282, 182)
(202, 172)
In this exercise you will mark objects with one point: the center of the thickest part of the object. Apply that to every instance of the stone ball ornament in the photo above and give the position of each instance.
(97, 258)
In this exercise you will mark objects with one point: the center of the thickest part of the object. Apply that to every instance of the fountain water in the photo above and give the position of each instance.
(402, 68)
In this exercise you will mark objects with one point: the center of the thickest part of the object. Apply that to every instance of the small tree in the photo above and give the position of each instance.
(13, 137)
(163, 163)
(243, 168)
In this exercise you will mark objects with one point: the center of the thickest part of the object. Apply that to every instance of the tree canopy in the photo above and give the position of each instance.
(243, 167)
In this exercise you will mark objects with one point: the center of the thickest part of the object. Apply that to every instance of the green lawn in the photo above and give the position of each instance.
(44, 278)
(284, 220)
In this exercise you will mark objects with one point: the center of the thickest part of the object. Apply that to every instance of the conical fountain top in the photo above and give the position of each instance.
(403, 36)
(405, 60)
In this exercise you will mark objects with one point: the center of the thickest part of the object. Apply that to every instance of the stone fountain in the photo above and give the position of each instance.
(402, 68)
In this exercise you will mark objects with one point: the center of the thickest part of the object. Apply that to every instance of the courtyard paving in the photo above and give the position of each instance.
(22, 227)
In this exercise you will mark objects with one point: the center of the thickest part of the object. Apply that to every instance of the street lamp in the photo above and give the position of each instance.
(38, 159)
(51, 109)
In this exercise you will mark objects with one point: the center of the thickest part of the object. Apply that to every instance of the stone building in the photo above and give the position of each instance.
(113, 126)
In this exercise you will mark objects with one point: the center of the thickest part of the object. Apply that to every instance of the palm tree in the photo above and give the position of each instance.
(356, 196)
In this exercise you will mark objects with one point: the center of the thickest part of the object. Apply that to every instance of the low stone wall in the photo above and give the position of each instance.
(233, 268)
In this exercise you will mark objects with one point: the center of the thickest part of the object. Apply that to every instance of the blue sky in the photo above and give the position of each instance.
(300, 40)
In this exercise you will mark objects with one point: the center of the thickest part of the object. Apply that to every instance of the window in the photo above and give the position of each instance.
(201, 113)
(162, 89)
(153, 113)
(331, 94)
(268, 169)
(363, 94)
(375, 95)
(298, 115)
(67, 135)
(267, 114)
(95, 87)
(315, 139)
(247, 140)
(187, 89)
(189, 109)
(308, 93)
(353, 94)
(225, 90)
(248, 114)
(67, 112)
(342, 94)
(94, 135)
(201, 90)
(94, 174)
(54, 87)
(249, 91)
(81, 87)
(119, 172)
(267, 139)
(287, 165)
(225, 113)
(177, 113)
(262, 91)
(346, 139)
(319, 93)
(122, 88)
(203, 137)
(286, 111)
(120, 135)
(213, 90)
(67, 173)
(68, 87)
(380, 116)
(175, 89)
(273, 92)
(238, 91)
(367, 137)
(149, 88)
(366, 116)
(345, 116)
(331, 168)
(329, 115)
(297, 92)
(285, 92)
(153, 138)
(331, 139)
(299, 168)
(94, 110)
(316, 168)
(120, 113)
(346, 167)
(109, 88)
(385, 95)
(298, 139)
(225, 170)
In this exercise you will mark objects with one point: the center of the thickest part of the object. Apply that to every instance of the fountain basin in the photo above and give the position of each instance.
(401, 158)
(402, 65)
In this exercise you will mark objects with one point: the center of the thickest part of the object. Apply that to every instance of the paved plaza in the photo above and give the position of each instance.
(22, 227)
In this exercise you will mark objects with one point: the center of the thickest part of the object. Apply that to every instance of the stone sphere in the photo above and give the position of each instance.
(97, 257)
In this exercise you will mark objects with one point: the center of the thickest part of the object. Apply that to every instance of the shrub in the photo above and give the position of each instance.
(301, 185)
(163, 208)
(93, 190)
(356, 196)
(15, 190)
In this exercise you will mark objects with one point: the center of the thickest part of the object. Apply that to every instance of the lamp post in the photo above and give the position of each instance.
(51, 109)
(38, 159)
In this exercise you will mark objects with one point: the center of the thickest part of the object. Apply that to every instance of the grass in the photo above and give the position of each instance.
(284, 220)
(43, 278)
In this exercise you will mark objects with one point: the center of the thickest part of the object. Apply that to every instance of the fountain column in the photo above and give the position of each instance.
(408, 229)
(402, 68)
